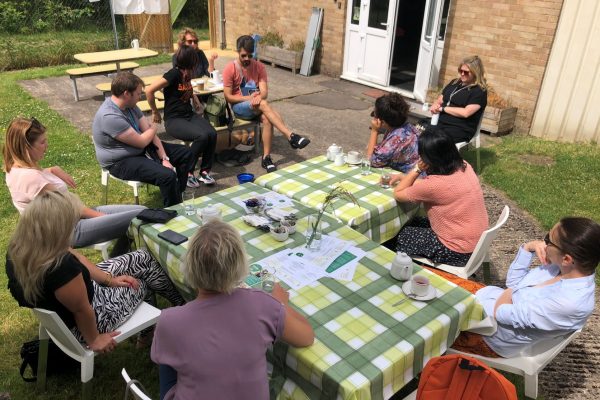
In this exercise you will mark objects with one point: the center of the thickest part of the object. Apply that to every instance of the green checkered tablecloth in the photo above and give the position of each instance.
(364, 348)
(379, 216)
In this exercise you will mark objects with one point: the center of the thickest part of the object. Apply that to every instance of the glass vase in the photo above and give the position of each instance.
(313, 233)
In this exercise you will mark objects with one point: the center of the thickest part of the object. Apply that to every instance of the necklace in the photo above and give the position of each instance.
(456, 90)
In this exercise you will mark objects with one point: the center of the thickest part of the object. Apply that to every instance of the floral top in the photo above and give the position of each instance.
(398, 149)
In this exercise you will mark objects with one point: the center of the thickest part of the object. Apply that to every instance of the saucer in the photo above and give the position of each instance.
(431, 294)
(353, 163)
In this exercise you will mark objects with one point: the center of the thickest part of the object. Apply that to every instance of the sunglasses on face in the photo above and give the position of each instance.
(247, 55)
(464, 72)
(193, 41)
(549, 242)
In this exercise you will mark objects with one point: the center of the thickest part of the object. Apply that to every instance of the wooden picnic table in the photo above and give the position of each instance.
(209, 87)
(114, 56)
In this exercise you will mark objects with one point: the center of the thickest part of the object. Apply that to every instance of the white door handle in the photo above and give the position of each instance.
(383, 23)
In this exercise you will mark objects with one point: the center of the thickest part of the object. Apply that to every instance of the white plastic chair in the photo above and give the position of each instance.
(475, 141)
(480, 254)
(134, 184)
(51, 326)
(133, 388)
(528, 366)
(102, 248)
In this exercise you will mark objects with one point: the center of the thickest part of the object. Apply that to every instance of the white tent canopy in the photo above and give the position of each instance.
(140, 6)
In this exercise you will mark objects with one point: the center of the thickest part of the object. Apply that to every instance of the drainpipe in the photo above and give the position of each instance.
(222, 17)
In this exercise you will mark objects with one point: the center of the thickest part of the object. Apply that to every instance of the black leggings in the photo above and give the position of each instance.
(198, 131)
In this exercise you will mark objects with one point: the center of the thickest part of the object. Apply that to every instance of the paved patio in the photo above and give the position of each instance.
(332, 111)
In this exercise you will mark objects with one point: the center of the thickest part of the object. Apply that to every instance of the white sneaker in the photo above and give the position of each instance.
(205, 178)
(192, 182)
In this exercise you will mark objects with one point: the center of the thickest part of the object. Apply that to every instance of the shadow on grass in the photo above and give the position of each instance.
(487, 157)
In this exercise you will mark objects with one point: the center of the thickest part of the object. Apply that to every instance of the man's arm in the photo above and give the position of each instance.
(234, 99)
(139, 140)
(160, 150)
(264, 89)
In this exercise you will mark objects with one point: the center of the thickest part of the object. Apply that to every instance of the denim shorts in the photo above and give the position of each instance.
(245, 110)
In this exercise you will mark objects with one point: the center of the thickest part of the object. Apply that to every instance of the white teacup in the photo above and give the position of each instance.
(419, 285)
(339, 160)
(353, 157)
(135, 44)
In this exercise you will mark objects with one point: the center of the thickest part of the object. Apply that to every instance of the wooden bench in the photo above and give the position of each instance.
(104, 87)
(103, 69)
(145, 107)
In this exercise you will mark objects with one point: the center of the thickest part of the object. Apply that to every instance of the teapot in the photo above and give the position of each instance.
(332, 151)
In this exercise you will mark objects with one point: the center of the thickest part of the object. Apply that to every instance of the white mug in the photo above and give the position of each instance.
(216, 77)
(353, 157)
(419, 285)
(339, 160)
(135, 43)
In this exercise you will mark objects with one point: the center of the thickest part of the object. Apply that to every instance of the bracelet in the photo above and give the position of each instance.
(108, 278)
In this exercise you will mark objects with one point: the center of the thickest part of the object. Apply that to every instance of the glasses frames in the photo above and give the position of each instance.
(548, 242)
(464, 72)
(193, 41)
(247, 55)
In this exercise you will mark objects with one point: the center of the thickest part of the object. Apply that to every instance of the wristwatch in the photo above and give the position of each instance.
(165, 158)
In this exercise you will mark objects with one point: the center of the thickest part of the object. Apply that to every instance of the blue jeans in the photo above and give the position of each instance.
(245, 110)
(167, 379)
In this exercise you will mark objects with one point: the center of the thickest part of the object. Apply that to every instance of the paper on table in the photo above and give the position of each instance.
(347, 270)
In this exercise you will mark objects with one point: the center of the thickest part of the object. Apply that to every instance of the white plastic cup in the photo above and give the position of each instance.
(135, 44)
(425, 107)
(435, 118)
(339, 160)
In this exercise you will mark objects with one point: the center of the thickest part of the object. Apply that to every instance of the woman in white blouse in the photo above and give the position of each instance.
(25, 145)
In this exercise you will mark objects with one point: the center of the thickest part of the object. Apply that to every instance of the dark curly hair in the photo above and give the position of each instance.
(391, 109)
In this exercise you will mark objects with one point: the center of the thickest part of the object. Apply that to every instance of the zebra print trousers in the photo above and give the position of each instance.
(114, 305)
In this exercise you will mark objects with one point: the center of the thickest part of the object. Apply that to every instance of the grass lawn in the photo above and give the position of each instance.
(547, 179)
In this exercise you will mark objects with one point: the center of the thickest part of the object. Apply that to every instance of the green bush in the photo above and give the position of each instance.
(272, 38)
(11, 19)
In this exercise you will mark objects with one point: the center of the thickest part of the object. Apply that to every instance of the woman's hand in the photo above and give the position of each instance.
(125, 281)
(63, 176)
(376, 124)
(395, 179)
(539, 248)
(167, 164)
(156, 118)
(280, 294)
(104, 343)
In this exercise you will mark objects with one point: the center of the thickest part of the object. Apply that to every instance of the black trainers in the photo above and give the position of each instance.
(268, 164)
(298, 142)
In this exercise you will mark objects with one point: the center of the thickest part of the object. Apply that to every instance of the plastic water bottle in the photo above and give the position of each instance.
(435, 118)
(402, 267)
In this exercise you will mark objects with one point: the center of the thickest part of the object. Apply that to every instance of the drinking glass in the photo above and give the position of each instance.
(385, 179)
(313, 233)
(365, 166)
(188, 203)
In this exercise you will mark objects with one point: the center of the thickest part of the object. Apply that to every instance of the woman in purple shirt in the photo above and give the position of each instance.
(214, 346)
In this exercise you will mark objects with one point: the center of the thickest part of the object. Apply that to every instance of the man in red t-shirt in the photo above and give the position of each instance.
(245, 87)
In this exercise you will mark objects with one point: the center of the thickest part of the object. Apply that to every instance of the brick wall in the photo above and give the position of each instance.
(513, 38)
(290, 18)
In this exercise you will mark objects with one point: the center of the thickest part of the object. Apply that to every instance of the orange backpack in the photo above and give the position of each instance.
(457, 377)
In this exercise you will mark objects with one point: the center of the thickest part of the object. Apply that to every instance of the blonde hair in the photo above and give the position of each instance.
(216, 259)
(42, 238)
(20, 136)
(182, 34)
(476, 67)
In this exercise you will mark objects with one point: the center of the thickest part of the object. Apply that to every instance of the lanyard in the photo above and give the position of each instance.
(456, 90)
(129, 117)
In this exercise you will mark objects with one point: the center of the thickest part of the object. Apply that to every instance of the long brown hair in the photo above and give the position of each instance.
(21, 134)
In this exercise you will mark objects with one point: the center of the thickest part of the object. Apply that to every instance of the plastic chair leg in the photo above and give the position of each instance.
(531, 385)
(42, 363)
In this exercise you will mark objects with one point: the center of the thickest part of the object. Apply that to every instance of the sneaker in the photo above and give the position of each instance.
(298, 142)
(205, 178)
(192, 182)
(268, 164)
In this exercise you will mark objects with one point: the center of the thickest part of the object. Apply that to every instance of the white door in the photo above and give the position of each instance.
(369, 39)
(428, 47)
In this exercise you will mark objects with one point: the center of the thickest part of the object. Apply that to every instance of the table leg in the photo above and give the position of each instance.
(118, 63)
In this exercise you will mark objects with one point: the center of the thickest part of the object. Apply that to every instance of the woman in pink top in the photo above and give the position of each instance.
(25, 146)
(453, 199)
(214, 346)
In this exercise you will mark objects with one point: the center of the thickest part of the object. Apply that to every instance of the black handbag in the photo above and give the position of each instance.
(157, 215)
(58, 362)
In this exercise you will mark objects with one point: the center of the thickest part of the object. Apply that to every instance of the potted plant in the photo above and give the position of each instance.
(313, 230)
(499, 115)
(271, 49)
